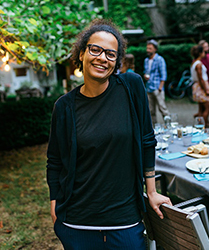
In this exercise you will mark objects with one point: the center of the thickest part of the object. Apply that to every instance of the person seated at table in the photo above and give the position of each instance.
(200, 88)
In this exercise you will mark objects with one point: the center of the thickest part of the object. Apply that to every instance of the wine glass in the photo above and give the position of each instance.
(158, 147)
(167, 137)
(174, 120)
(158, 128)
(199, 124)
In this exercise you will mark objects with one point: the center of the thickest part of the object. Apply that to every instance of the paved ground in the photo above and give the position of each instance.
(184, 108)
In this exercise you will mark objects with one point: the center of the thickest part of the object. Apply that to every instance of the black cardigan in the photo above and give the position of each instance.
(62, 148)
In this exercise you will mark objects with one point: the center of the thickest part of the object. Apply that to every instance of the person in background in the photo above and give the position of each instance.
(200, 88)
(155, 75)
(128, 63)
(205, 59)
(101, 146)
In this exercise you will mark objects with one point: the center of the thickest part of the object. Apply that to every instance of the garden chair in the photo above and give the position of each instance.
(179, 229)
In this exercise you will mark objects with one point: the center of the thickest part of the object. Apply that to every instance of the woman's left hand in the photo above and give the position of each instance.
(155, 200)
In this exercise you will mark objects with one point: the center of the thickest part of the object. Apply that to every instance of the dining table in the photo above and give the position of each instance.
(180, 180)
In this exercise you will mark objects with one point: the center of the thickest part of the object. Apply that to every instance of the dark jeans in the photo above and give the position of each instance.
(77, 239)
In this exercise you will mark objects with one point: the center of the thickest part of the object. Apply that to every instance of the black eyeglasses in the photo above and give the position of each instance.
(96, 50)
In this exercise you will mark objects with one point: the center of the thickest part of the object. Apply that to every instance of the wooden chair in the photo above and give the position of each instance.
(178, 230)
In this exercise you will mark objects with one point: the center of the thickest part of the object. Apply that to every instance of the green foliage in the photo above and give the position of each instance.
(181, 18)
(27, 84)
(42, 32)
(177, 58)
(127, 15)
(25, 122)
(56, 90)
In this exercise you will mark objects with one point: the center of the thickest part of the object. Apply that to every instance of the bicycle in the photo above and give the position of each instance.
(178, 89)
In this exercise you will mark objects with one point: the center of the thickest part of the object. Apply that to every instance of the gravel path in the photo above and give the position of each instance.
(184, 108)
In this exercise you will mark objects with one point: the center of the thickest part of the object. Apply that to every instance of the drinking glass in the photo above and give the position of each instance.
(158, 147)
(167, 122)
(158, 128)
(167, 137)
(179, 131)
(147, 75)
(199, 124)
(187, 133)
(174, 120)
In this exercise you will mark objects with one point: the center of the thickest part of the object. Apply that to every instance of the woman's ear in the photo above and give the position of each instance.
(81, 55)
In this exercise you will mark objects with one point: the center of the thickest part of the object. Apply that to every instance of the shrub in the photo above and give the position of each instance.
(177, 58)
(25, 122)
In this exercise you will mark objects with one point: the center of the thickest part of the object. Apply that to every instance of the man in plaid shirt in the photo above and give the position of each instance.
(155, 75)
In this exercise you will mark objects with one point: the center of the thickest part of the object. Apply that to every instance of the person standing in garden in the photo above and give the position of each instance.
(205, 59)
(155, 75)
(101, 146)
(200, 88)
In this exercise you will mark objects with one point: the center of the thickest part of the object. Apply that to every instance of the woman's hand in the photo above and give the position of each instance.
(155, 200)
(53, 215)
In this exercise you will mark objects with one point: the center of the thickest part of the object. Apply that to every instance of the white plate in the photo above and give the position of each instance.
(194, 165)
(161, 145)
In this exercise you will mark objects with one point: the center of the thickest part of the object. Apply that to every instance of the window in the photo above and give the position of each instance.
(20, 71)
(148, 3)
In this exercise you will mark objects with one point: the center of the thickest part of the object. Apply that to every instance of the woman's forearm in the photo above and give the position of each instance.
(53, 215)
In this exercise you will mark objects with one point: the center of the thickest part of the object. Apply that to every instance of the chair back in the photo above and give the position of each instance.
(178, 230)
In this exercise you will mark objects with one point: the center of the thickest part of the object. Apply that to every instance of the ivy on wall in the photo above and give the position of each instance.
(182, 18)
(126, 14)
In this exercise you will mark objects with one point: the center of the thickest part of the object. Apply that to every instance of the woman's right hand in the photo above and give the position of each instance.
(53, 215)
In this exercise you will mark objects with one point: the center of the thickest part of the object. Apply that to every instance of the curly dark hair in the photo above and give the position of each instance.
(98, 25)
(196, 51)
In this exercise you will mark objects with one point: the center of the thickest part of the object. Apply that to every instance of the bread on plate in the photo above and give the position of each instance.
(198, 149)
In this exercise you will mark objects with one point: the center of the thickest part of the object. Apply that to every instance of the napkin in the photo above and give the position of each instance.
(172, 156)
(198, 137)
(202, 177)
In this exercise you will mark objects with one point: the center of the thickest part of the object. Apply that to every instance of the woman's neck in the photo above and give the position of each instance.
(93, 89)
(198, 59)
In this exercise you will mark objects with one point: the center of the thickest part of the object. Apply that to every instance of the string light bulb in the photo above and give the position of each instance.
(7, 67)
(5, 58)
(78, 73)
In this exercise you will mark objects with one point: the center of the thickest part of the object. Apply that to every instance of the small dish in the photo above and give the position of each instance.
(206, 141)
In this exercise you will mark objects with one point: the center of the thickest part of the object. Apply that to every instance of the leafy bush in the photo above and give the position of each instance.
(25, 122)
(177, 58)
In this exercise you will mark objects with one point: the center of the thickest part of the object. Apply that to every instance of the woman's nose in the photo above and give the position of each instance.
(102, 56)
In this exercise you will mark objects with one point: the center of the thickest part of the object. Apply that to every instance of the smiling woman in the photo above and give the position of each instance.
(101, 146)
(98, 62)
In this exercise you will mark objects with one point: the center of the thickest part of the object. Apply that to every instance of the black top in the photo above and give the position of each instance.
(104, 192)
(62, 147)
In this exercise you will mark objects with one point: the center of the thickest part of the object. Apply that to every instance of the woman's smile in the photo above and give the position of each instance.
(99, 66)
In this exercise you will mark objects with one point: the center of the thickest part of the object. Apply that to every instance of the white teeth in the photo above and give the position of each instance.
(100, 67)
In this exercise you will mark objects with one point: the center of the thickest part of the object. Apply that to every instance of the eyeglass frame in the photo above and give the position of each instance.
(103, 50)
